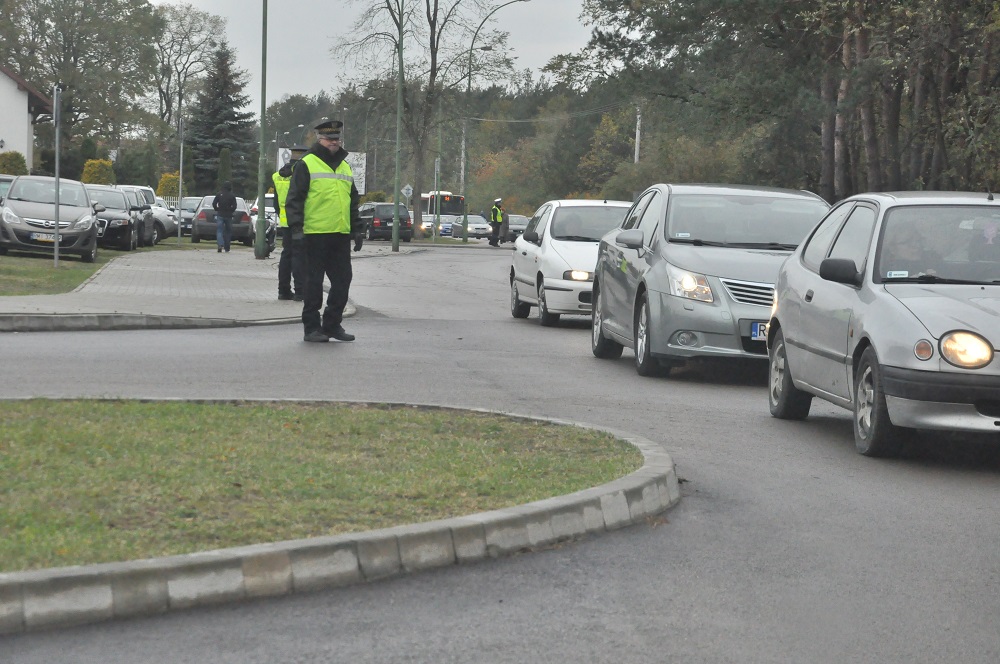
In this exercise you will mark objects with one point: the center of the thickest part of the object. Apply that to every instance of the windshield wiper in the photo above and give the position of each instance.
(934, 279)
(576, 238)
(696, 242)
(784, 246)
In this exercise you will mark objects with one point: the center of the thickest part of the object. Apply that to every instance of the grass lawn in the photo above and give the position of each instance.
(86, 481)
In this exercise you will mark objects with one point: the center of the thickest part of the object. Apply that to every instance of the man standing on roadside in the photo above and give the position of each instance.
(322, 212)
(496, 220)
(289, 265)
(224, 205)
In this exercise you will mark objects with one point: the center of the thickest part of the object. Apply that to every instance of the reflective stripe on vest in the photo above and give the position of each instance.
(328, 203)
(281, 186)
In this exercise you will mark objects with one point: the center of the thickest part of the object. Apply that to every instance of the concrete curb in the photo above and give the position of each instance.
(92, 322)
(67, 596)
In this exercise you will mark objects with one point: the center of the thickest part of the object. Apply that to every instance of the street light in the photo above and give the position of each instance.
(343, 130)
(367, 113)
(260, 242)
(465, 123)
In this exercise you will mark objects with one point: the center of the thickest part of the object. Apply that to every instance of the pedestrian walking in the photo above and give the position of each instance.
(322, 212)
(289, 264)
(496, 220)
(224, 205)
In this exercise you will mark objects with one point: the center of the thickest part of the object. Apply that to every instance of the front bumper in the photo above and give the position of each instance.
(563, 296)
(684, 328)
(942, 400)
(69, 242)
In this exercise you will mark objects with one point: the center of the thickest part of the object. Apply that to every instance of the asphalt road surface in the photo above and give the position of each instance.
(786, 547)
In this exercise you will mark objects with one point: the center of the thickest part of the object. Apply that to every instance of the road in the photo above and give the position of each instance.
(786, 547)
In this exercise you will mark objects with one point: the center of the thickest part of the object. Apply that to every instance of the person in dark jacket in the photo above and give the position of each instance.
(224, 205)
(289, 265)
(322, 212)
(496, 220)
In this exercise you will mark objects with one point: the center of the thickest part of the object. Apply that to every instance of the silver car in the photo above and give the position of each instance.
(891, 309)
(690, 272)
(28, 220)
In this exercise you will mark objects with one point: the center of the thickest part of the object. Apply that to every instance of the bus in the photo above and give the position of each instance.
(451, 204)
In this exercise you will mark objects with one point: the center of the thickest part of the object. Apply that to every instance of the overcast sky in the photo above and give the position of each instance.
(302, 31)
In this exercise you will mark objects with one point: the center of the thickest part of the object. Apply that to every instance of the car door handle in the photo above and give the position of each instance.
(809, 295)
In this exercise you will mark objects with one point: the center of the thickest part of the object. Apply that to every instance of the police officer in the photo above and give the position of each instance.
(496, 220)
(322, 213)
(289, 265)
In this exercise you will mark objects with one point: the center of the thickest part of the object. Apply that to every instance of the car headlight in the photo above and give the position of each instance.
(84, 224)
(966, 349)
(578, 275)
(118, 222)
(690, 285)
(10, 217)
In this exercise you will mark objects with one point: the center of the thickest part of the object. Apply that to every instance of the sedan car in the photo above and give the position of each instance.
(690, 272)
(118, 225)
(188, 208)
(28, 220)
(204, 222)
(516, 223)
(891, 309)
(553, 261)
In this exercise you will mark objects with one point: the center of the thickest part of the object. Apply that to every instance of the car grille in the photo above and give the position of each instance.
(750, 292)
(45, 223)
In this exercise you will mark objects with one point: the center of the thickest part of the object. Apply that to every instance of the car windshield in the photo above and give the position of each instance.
(385, 211)
(4, 186)
(742, 220)
(109, 198)
(190, 204)
(585, 223)
(44, 191)
(943, 244)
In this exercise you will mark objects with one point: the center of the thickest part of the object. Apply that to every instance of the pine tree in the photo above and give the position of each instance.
(217, 123)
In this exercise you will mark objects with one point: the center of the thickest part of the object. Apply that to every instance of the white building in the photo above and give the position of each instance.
(20, 106)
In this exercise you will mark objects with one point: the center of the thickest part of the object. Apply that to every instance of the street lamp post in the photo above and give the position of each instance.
(399, 126)
(367, 113)
(465, 122)
(260, 241)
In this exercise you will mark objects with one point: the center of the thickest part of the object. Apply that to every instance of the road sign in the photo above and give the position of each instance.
(407, 191)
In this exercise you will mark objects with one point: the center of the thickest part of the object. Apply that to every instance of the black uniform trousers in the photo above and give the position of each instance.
(495, 235)
(329, 255)
(289, 266)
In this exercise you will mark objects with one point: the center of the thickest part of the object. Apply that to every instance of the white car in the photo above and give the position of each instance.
(554, 259)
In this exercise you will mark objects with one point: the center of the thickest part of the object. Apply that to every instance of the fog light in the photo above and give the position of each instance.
(687, 338)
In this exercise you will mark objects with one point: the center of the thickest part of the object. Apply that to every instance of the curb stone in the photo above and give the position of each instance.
(61, 597)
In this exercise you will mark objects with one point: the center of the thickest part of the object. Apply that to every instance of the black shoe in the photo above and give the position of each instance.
(285, 296)
(317, 336)
(340, 334)
(218, 250)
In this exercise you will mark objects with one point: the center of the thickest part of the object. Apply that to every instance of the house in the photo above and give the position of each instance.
(20, 106)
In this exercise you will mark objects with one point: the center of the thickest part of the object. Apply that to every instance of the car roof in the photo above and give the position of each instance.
(105, 187)
(739, 190)
(46, 178)
(586, 202)
(927, 197)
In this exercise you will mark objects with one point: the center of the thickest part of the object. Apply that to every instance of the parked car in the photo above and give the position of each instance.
(166, 217)
(188, 208)
(516, 223)
(379, 218)
(118, 225)
(891, 309)
(5, 181)
(268, 206)
(204, 222)
(28, 217)
(149, 230)
(690, 272)
(552, 266)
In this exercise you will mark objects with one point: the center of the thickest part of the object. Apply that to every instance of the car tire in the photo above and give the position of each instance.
(91, 255)
(785, 401)
(518, 309)
(548, 319)
(406, 239)
(601, 346)
(158, 233)
(141, 235)
(195, 239)
(645, 364)
(874, 433)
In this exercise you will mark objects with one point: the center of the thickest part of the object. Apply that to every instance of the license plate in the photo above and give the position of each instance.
(44, 237)
(758, 331)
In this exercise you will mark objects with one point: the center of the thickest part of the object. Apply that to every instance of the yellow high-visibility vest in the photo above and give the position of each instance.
(328, 203)
(281, 186)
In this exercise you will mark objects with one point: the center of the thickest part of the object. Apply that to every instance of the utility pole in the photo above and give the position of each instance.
(399, 129)
(260, 241)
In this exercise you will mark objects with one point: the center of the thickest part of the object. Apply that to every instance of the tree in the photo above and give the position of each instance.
(168, 185)
(13, 163)
(98, 171)
(217, 123)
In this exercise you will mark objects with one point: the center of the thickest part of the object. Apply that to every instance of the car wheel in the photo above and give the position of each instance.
(874, 433)
(91, 255)
(157, 234)
(786, 401)
(645, 363)
(601, 346)
(406, 239)
(195, 239)
(548, 319)
(518, 309)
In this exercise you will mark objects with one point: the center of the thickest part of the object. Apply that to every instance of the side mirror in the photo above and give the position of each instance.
(841, 271)
(99, 208)
(531, 236)
(630, 239)
(145, 207)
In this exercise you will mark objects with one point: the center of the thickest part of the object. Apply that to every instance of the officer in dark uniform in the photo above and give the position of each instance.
(322, 213)
(496, 220)
(289, 265)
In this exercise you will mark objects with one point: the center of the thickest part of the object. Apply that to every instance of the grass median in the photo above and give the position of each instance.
(85, 481)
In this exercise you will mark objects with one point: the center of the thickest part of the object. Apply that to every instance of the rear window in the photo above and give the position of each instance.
(386, 211)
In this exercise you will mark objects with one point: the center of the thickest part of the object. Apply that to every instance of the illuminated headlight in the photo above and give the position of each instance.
(966, 350)
(10, 217)
(689, 284)
(577, 275)
(84, 224)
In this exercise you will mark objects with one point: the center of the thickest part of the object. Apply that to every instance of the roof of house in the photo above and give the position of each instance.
(37, 102)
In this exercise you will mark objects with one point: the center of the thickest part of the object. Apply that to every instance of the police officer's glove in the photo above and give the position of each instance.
(359, 239)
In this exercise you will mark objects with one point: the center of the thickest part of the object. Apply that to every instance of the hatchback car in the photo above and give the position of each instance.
(204, 226)
(553, 262)
(690, 272)
(28, 217)
(118, 224)
(379, 218)
(167, 218)
(891, 309)
(5, 181)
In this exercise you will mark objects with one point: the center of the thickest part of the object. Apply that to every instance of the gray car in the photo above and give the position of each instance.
(28, 217)
(690, 272)
(891, 309)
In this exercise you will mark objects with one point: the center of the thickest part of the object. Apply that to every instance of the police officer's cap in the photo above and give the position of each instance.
(299, 151)
(329, 129)
(497, 200)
